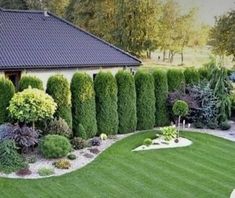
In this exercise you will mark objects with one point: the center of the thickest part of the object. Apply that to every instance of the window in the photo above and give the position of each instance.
(14, 76)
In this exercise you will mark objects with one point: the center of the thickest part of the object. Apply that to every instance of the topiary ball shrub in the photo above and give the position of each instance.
(78, 143)
(58, 87)
(31, 105)
(224, 125)
(176, 80)
(83, 104)
(161, 95)
(192, 76)
(180, 108)
(10, 159)
(147, 142)
(145, 100)
(30, 81)
(7, 91)
(106, 103)
(72, 156)
(58, 126)
(55, 146)
(126, 102)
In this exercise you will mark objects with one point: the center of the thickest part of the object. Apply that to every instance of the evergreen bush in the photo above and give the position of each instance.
(145, 100)
(7, 91)
(126, 102)
(106, 103)
(161, 94)
(176, 80)
(58, 88)
(83, 104)
(32, 81)
(191, 76)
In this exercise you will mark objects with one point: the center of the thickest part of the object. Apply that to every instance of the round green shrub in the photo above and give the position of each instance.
(176, 80)
(147, 142)
(83, 104)
(145, 100)
(31, 105)
(31, 81)
(161, 94)
(106, 103)
(58, 126)
(55, 146)
(58, 88)
(191, 76)
(180, 108)
(126, 102)
(225, 125)
(7, 91)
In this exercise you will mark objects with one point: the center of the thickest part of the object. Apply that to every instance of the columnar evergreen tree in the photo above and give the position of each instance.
(31, 81)
(192, 76)
(176, 80)
(126, 102)
(106, 103)
(161, 94)
(7, 91)
(58, 88)
(83, 105)
(145, 100)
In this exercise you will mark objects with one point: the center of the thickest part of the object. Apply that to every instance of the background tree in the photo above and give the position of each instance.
(14, 4)
(222, 35)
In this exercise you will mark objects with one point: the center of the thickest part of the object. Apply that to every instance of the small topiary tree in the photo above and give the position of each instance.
(161, 94)
(145, 100)
(106, 103)
(180, 109)
(31, 105)
(83, 104)
(192, 76)
(7, 91)
(31, 81)
(126, 102)
(176, 80)
(58, 88)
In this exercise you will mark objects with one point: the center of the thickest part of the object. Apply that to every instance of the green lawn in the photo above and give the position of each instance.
(205, 169)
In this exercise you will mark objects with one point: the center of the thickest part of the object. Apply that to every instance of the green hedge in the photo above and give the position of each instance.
(106, 103)
(145, 100)
(83, 105)
(32, 81)
(161, 94)
(58, 88)
(203, 73)
(192, 76)
(126, 102)
(176, 80)
(7, 91)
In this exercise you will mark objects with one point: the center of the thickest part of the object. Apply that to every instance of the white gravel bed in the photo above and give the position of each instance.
(160, 143)
(76, 164)
(232, 194)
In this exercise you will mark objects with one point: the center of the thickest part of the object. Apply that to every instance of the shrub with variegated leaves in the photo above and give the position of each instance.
(31, 105)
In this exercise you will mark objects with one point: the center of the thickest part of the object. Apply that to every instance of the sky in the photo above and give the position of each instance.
(208, 9)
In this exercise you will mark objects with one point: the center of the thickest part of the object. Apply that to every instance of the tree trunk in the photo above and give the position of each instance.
(182, 58)
(164, 56)
(172, 57)
(178, 134)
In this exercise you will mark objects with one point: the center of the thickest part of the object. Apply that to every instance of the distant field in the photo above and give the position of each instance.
(192, 57)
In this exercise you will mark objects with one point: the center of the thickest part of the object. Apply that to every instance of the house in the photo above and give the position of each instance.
(41, 44)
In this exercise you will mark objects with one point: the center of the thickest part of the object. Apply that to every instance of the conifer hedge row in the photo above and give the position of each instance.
(32, 81)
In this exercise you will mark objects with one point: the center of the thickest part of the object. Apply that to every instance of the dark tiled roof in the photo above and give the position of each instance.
(28, 39)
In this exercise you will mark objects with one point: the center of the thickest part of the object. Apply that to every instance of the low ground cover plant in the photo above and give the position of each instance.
(62, 164)
(78, 143)
(44, 171)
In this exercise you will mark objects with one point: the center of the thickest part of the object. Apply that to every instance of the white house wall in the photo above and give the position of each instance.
(68, 73)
